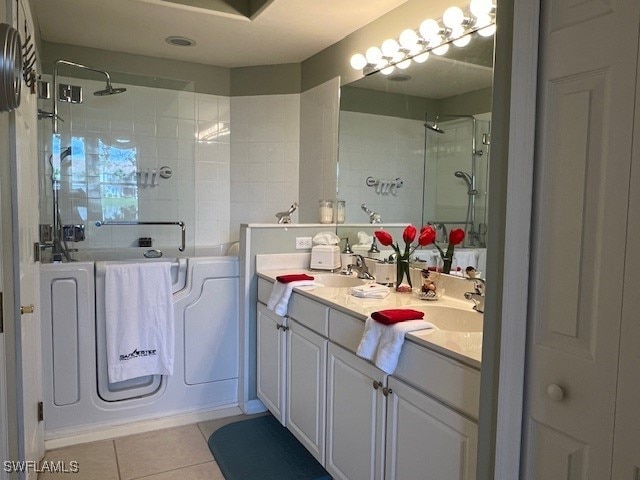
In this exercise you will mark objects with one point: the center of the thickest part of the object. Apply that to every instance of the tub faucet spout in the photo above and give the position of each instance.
(285, 217)
(477, 296)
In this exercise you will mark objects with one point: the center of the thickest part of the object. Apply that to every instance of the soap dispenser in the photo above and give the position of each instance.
(346, 257)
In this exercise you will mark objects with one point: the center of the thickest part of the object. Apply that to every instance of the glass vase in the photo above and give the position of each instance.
(403, 275)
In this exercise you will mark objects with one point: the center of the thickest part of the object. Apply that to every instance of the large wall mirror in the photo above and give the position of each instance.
(414, 145)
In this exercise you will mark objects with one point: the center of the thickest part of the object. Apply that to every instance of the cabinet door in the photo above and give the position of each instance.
(271, 352)
(425, 439)
(355, 417)
(306, 387)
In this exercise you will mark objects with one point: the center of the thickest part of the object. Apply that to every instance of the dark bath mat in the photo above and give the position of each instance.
(262, 449)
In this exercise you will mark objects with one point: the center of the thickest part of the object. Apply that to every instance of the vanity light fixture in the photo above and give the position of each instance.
(455, 27)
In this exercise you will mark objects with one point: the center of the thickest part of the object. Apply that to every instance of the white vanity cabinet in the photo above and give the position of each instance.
(355, 417)
(425, 439)
(306, 387)
(271, 357)
(360, 423)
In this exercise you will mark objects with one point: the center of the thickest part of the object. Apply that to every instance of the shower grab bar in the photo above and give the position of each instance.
(179, 224)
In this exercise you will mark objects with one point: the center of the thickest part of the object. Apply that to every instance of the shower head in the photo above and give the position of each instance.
(434, 128)
(109, 91)
(65, 153)
(467, 179)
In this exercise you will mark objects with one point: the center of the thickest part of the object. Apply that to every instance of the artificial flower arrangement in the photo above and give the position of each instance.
(427, 236)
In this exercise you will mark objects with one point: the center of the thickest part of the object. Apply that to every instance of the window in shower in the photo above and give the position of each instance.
(103, 177)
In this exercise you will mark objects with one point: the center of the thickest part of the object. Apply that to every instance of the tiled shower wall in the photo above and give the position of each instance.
(142, 129)
(265, 146)
(383, 149)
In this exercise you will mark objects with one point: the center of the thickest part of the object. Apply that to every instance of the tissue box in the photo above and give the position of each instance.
(325, 257)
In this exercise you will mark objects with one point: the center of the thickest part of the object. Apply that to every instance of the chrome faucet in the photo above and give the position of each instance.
(445, 235)
(477, 296)
(361, 268)
(374, 217)
(285, 217)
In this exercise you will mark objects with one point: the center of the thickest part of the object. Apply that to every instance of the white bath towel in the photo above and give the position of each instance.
(139, 320)
(281, 293)
(382, 344)
(370, 290)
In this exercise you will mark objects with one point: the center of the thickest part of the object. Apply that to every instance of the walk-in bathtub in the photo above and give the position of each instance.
(77, 394)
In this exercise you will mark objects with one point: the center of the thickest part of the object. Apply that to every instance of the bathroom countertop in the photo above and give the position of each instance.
(465, 347)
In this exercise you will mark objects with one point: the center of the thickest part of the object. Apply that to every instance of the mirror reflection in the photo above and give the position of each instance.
(414, 145)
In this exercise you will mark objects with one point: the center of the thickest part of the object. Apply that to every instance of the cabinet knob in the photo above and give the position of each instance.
(555, 392)
(387, 391)
(376, 384)
(26, 309)
(285, 328)
(278, 326)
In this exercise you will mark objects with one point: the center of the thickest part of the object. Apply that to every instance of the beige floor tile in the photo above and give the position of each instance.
(204, 471)
(210, 426)
(160, 451)
(96, 461)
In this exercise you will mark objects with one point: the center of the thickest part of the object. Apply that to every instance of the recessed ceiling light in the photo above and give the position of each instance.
(399, 78)
(178, 41)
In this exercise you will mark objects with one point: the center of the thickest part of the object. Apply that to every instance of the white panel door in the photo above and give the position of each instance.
(588, 56)
(626, 453)
(355, 417)
(271, 343)
(306, 387)
(425, 439)
(26, 209)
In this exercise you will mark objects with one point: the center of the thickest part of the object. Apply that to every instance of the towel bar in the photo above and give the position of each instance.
(179, 224)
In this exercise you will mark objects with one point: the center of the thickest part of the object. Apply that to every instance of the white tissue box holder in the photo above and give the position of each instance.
(325, 257)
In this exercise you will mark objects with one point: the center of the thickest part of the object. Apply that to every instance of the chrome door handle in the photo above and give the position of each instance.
(26, 309)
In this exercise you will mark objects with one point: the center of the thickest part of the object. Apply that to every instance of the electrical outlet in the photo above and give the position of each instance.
(303, 243)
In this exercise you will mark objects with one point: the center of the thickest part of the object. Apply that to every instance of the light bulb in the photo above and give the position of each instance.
(409, 39)
(423, 57)
(441, 50)
(487, 31)
(358, 61)
(403, 65)
(483, 21)
(456, 32)
(389, 47)
(373, 55)
(388, 70)
(462, 41)
(429, 29)
(453, 17)
(481, 7)
(382, 63)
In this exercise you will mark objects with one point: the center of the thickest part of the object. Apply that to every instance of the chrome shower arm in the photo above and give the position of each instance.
(54, 96)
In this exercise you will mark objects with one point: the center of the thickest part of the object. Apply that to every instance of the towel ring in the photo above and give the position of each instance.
(10, 68)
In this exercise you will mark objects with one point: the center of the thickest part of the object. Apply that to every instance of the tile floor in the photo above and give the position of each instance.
(174, 453)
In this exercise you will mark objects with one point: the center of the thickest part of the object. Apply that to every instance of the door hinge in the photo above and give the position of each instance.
(40, 411)
(1, 314)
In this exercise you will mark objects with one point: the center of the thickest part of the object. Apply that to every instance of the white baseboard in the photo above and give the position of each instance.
(254, 406)
(82, 435)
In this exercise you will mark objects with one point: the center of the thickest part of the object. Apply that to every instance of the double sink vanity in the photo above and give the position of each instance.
(357, 421)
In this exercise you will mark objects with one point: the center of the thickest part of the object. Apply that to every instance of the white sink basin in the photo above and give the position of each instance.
(337, 280)
(451, 318)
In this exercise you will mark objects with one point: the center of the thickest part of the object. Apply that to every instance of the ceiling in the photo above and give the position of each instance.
(227, 34)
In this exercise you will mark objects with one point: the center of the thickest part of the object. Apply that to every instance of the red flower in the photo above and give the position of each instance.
(427, 236)
(409, 234)
(383, 237)
(456, 236)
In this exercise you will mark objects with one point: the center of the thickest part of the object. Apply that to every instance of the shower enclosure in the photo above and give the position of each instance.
(456, 175)
(113, 165)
